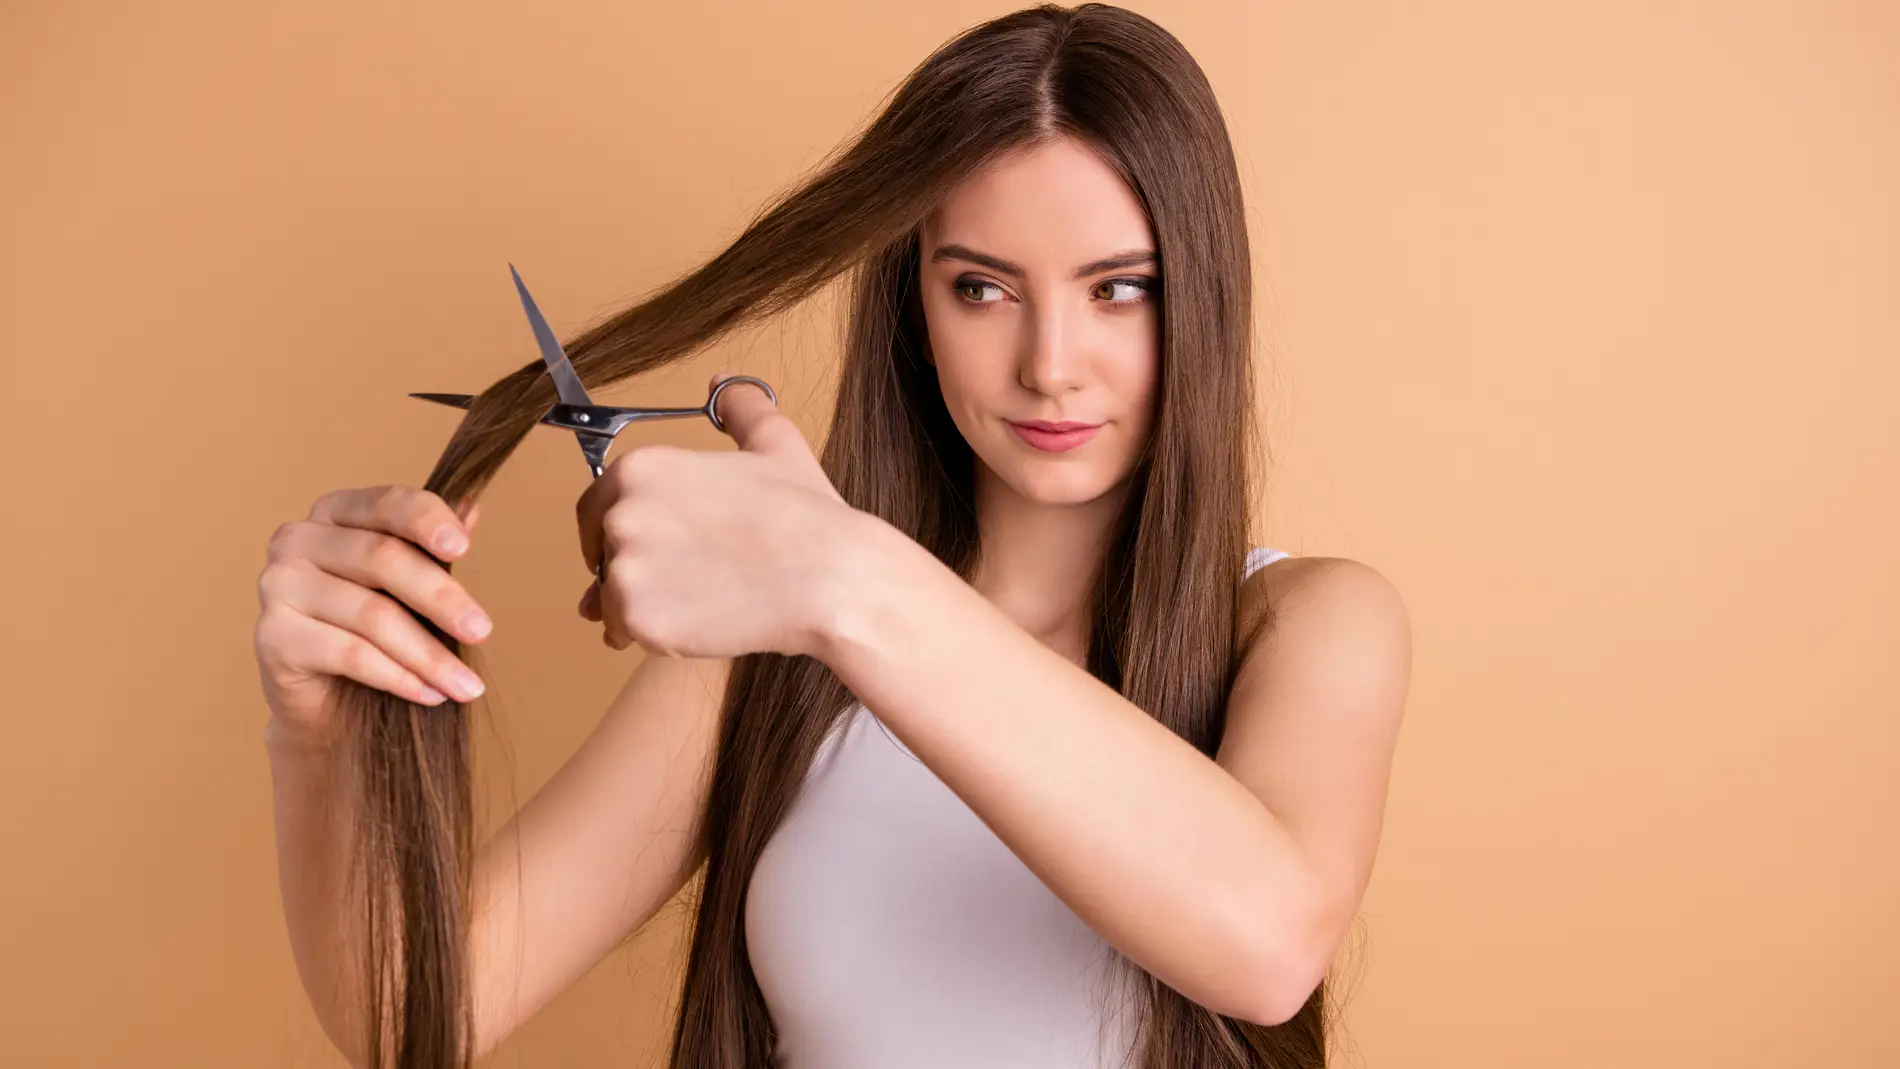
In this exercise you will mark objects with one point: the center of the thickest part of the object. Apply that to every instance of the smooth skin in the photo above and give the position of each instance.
(323, 616)
(601, 846)
(1283, 823)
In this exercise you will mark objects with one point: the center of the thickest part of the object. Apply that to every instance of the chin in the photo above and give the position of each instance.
(1055, 484)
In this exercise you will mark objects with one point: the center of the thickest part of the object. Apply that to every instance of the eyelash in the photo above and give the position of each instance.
(1146, 285)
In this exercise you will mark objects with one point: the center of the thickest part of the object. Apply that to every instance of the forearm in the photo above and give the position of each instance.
(1154, 845)
(312, 797)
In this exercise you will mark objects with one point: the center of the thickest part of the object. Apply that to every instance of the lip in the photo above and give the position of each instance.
(1054, 437)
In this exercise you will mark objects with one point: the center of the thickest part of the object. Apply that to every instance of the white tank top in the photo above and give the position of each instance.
(888, 926)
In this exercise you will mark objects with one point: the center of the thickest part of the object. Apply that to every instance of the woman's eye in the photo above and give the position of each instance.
(1140, 288)
(1132, 291)
(963, 286)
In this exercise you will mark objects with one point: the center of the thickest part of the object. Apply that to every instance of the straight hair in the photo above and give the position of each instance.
(1163, 609)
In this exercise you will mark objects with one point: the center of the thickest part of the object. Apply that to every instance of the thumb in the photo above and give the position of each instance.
(754, 422)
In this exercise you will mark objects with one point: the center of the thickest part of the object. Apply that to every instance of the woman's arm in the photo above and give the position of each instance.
(586, 861)
(606, 842)
(1232, 880)
(313, 797)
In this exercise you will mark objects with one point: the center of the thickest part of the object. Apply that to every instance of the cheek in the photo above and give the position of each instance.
(965, 350)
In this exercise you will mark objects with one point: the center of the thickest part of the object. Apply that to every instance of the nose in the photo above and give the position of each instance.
(1051, 363)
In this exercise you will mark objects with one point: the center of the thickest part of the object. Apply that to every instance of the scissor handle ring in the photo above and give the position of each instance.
(712, 403)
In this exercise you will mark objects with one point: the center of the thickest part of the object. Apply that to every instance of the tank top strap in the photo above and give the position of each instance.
(1261, 556)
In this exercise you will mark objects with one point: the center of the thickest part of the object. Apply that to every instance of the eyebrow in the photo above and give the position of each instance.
(1124, 258)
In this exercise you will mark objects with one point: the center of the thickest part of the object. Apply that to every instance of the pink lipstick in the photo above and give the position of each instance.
(1054, 437)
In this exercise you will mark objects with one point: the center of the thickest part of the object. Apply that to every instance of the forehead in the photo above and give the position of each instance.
(1048, 207)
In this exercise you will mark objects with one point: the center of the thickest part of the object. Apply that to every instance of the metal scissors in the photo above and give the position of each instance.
(594, 426)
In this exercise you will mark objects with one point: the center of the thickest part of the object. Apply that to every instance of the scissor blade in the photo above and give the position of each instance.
(456, 400)
(598, 421)
(566, 383)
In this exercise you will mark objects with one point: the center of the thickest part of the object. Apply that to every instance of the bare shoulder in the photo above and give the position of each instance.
(1347, 592)
(1312, 722)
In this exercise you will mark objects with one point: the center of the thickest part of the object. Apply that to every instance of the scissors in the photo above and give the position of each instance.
(594, 426)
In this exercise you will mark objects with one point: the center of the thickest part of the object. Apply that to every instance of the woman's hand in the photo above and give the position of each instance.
(335, 597)
(717, 554)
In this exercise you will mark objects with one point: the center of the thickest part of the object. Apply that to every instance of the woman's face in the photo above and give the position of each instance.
(1041, 296)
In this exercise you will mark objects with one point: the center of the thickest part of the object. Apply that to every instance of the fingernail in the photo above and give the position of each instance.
(450, 541)
(476, 624)
(467, 685)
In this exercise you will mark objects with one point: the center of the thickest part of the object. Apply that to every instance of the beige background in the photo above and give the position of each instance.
(1581, 327)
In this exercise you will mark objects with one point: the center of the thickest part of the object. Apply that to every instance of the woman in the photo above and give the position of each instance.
(998, 745)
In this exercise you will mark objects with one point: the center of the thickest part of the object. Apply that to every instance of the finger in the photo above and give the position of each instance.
(614, 489)
(589, 607)
(421, 516)
(590, 511)
(607, 606)
(336, 651)
(381, 562)
(754, 422)
(380, 621)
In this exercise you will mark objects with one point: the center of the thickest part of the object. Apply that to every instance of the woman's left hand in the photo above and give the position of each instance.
(717, 554)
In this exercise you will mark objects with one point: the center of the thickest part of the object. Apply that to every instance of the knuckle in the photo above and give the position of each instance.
(354, 656)
(428, 509)
(626, 475)
(385, 555)
(616, 473)
(378, 615)
(655, 638)
(279, 545)
(646, 634)
(620, 613)
(645, 464)
(633, 583)
(324, 503)
(640, 623)
(267, 640)
(449, 598)
(386, 499)
(270, 584)
(621, 525)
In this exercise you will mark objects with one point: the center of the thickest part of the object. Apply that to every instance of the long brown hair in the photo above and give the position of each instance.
(1162, 614)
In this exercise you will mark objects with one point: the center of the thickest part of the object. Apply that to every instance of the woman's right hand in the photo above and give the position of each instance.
(329, 603)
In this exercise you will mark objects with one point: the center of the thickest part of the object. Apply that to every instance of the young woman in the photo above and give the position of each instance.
(997, 742)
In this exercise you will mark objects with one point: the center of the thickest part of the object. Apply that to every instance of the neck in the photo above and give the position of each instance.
(1038, 561)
